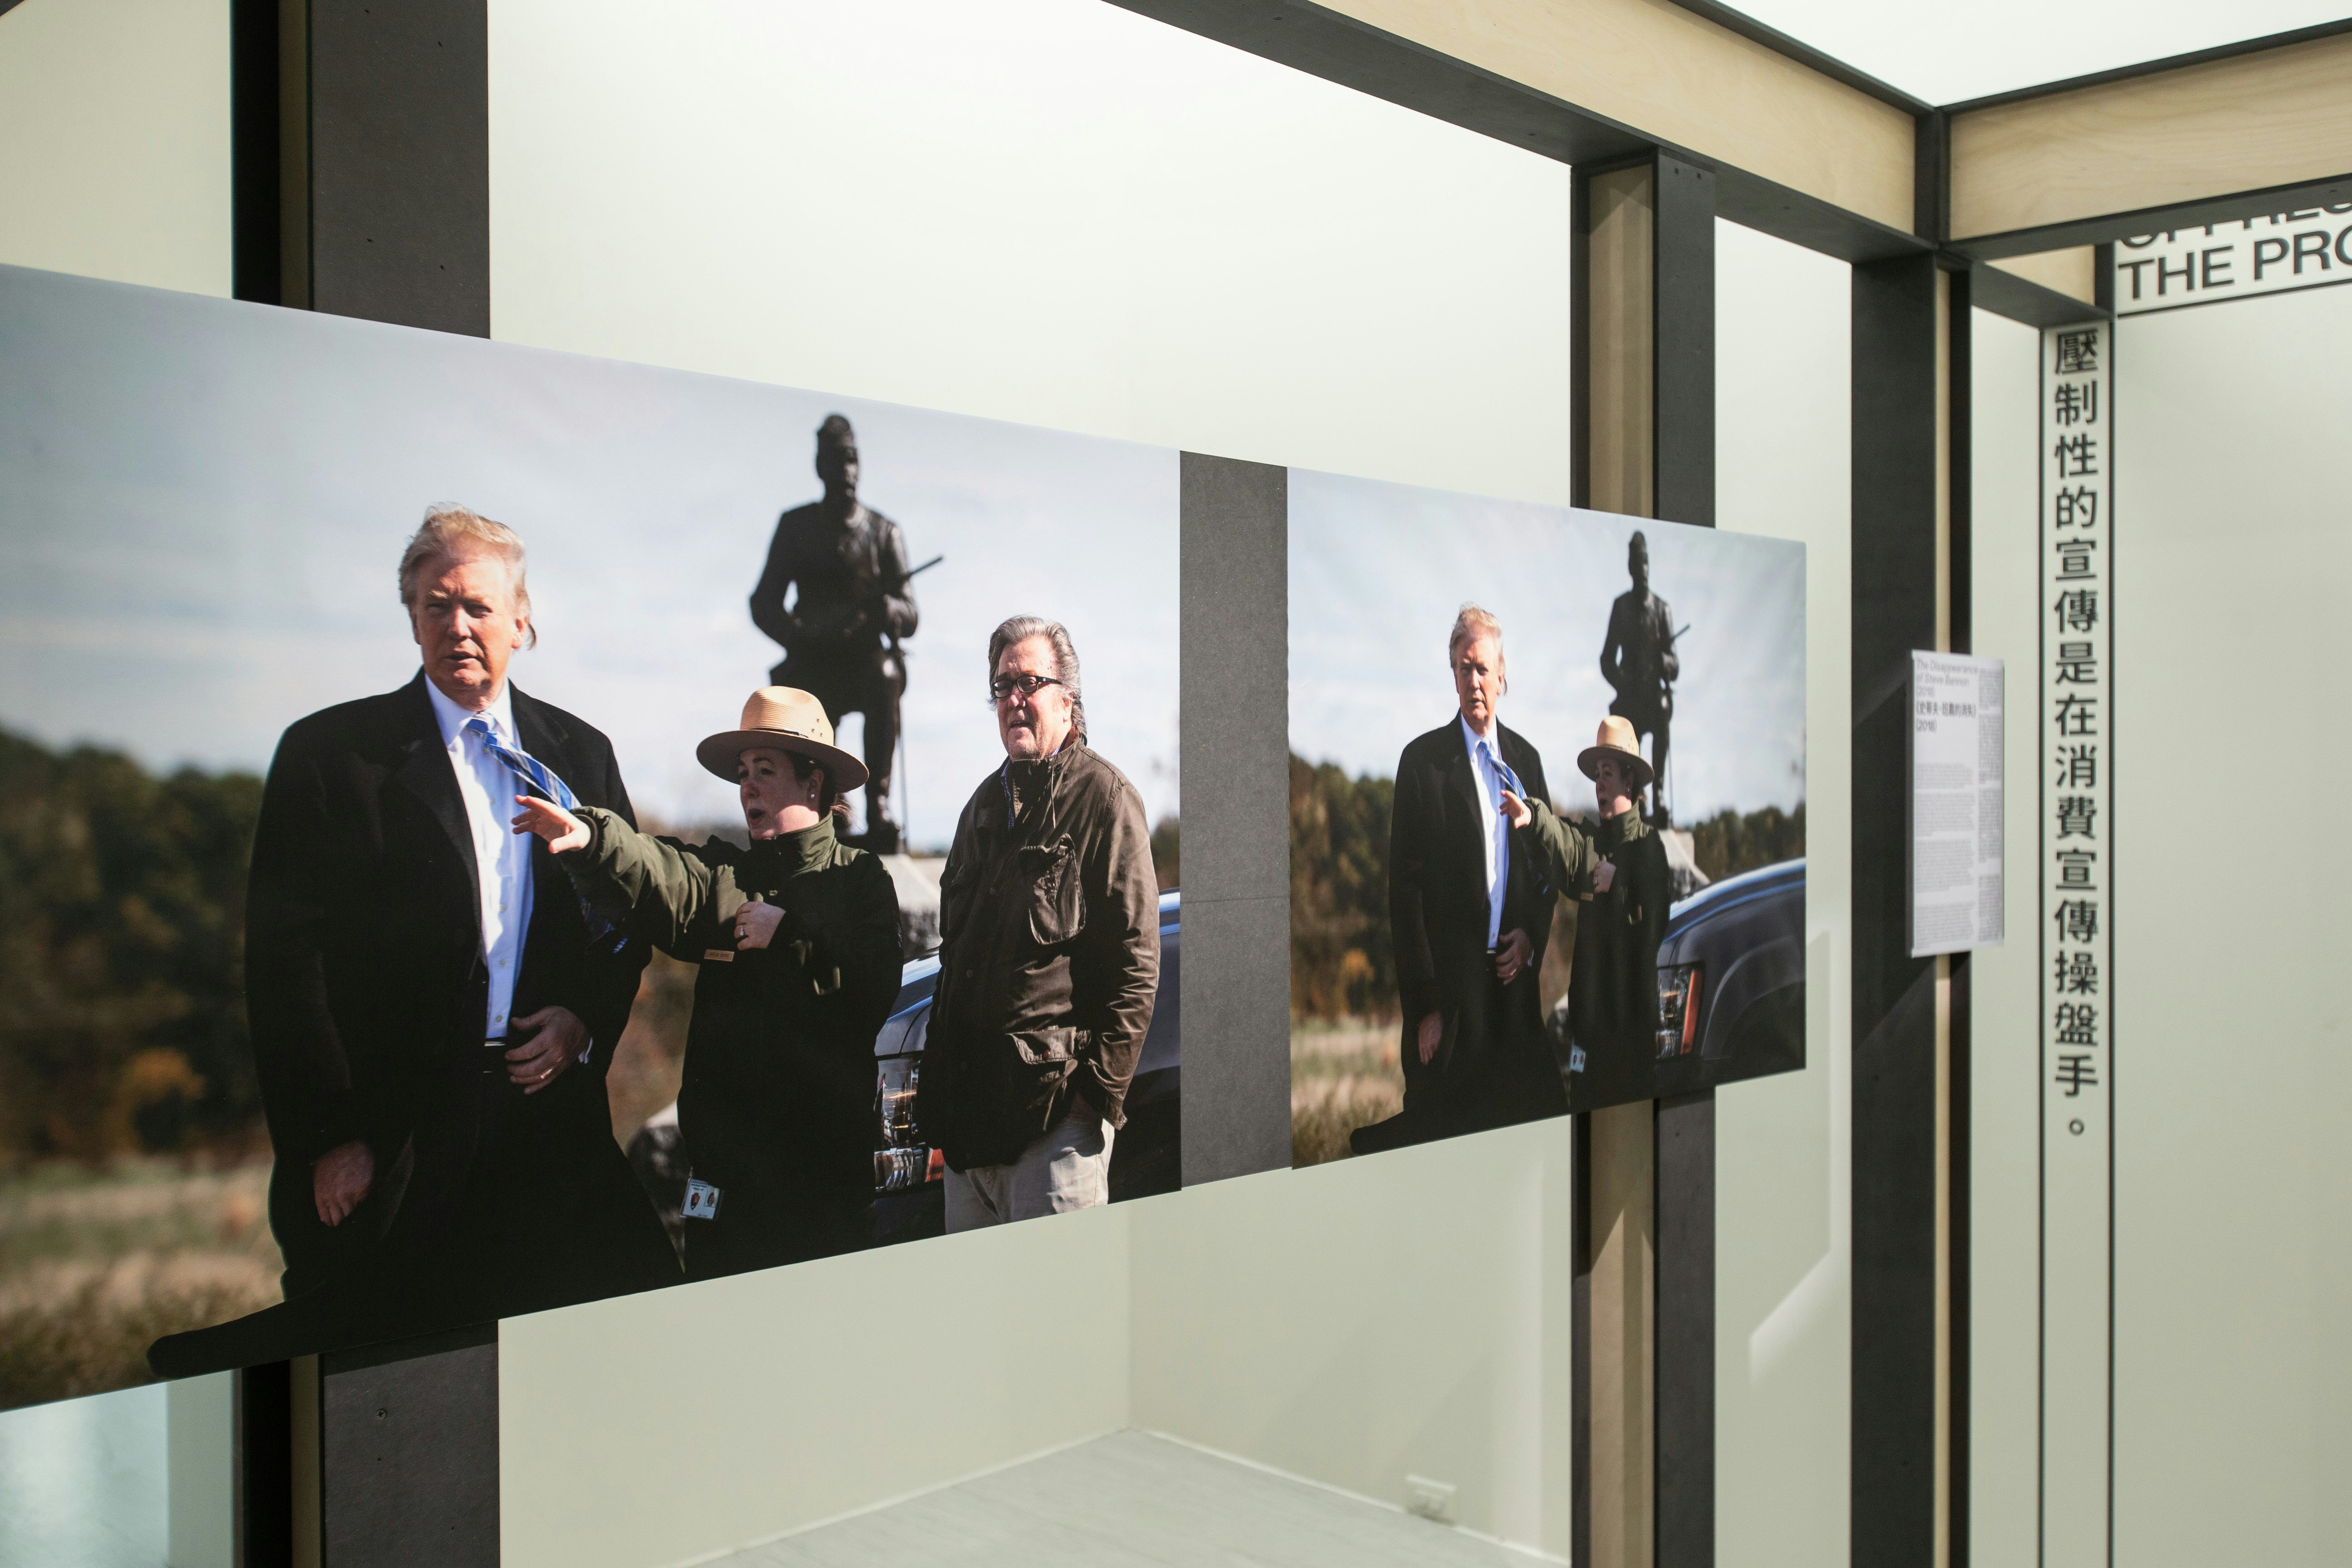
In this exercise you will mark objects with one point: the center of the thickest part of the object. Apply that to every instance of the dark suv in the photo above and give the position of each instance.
(1731, 981)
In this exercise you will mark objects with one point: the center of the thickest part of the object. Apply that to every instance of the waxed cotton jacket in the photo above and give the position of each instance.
(1049, 957)
(779, 1081)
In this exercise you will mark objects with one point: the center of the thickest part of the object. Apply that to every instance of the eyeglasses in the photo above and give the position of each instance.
(1004, 686)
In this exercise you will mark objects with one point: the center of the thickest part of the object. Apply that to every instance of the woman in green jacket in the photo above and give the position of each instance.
(1618, 872)
(796, 940)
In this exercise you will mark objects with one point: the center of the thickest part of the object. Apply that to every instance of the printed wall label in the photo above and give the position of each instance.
(2077, 898)
(1956, 795)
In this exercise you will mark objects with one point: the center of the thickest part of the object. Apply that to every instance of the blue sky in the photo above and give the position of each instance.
(1377, 571)
(203, 505)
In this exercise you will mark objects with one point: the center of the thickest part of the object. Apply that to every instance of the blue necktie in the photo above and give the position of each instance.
(1510, 781)
(1502, 770)
(543, 780)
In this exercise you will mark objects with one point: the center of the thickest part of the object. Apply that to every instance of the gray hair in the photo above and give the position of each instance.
(1021, 629)
(1471, 624)
(446, 532)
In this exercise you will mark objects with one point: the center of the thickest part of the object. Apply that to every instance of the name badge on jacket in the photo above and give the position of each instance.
(701, 1198)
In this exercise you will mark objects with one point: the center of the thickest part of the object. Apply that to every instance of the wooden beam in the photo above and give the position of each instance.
(2277, 120)
(2073, 272)
(1684, 81)
(1813, 156)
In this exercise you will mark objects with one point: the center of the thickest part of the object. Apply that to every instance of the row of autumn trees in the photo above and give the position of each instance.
(122, 920)
(1342, 963)
(121, 956)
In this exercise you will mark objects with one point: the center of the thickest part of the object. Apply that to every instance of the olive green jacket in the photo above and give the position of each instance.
(1612, 987)
(1564, 852)
(779, 1080)
(1049, 957)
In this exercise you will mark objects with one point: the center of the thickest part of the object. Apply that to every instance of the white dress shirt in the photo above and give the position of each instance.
(1483, 755)
(501, 856)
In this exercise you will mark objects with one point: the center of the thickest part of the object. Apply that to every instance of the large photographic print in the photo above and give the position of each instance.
(483, 828)
(1546, 812)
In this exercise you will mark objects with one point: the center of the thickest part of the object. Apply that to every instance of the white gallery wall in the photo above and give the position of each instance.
(1050, 211)
(2233, 1290)
(2233, 1092)
(1363, 1320)
(1783, 1287)
(114, 141)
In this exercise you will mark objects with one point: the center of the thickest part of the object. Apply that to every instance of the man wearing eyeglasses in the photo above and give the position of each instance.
(1049, 953)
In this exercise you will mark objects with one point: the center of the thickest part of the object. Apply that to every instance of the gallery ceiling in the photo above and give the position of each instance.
(1948, 54)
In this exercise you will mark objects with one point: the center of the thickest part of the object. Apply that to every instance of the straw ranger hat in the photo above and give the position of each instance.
(1616, 739)
(784, 720)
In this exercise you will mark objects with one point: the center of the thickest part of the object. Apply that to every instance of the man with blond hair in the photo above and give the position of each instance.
(1470, 914)
(433, 1007)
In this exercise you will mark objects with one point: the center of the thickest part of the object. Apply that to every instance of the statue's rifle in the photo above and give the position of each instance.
(890, 639)
(1672, 637)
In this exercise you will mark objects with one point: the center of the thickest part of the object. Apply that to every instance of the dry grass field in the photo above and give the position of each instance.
(96, 1263)
(1343, 1075)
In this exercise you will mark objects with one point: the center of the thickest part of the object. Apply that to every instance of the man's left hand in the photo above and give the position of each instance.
(1512, 956)
(551, 1050)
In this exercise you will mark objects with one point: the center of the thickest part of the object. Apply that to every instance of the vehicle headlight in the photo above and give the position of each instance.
(1678, 988)
(900, 1160)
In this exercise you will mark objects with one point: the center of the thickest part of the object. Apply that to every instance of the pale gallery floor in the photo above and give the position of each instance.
(1125, 1501)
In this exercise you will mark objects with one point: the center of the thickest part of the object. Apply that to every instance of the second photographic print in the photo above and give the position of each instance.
(1546, 812)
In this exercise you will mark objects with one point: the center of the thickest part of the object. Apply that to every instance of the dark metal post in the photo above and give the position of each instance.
(1684, 1144)
(1895, 497)
(1959, 558)
(362, 188)
(263, 1466)
(361, 159)
(408, 1463)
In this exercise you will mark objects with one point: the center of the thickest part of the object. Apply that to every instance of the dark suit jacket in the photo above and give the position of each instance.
(1437, 901)
(364, 979)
